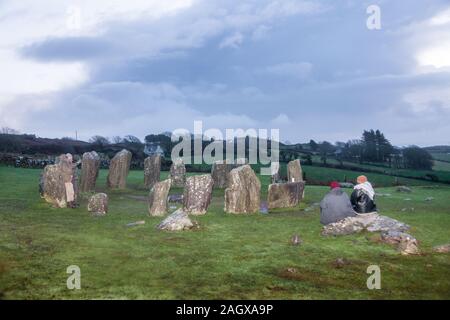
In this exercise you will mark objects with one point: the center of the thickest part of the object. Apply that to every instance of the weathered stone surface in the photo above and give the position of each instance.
(177, 221)
(119, 169)
(157, 202)
(406, 244)
(197, 194)
(90, 164)
(178, 173)
(243, 192)
(294, 171)
(152, 170)
(58, 183)
(371, 222)
(445, 248)
(296, 240)
(98, 204)
(404, 189)
(219, 173)
(285, 195)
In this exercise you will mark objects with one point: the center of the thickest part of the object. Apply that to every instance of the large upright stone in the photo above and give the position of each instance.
(285, 195)
(178, 173)
(219, 172)
(58, 184)
(157, 200)
(90, 164)
(243, 192)
(197, 194)
(119, 169)
(152, 170)
(294, 171)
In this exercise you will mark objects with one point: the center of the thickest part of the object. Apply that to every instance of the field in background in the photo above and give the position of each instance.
(230, 257)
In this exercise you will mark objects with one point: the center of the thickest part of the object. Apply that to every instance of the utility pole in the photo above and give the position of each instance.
(76, 135)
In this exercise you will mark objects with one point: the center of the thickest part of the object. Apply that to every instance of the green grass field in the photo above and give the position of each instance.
(229, 257)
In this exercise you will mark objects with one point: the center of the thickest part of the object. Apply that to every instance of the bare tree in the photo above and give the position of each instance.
(116, 139)
(99, 140)
(7, 130)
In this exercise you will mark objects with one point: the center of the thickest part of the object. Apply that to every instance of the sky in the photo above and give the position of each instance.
(312, 69)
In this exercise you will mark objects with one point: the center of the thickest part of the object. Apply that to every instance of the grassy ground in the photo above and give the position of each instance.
(230, 257)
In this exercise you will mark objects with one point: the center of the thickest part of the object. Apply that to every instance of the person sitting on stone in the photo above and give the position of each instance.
(335, 206)
(363, 196)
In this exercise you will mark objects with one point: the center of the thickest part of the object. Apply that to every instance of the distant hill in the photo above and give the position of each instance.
(438, 149)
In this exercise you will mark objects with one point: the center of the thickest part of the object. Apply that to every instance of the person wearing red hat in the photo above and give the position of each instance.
(336, 205)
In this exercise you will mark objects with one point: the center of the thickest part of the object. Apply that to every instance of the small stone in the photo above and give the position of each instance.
(98, 204)
(137, 223)
(177, 221)
(429, 199)
(445, 248)
(295, 240)
(406, 244)
(340, 263)
(404, 189)
(292, 270)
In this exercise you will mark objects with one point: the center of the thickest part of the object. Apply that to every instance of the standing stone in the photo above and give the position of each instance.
(90, 164)
(285, 195)
(152, 170)
(219, 172)
(178, 173)
(119, 169)
(157, 202)
(243, 192)
(294, 171)
(98, 204)
(275, 176)
(197, 194)
(58, 184)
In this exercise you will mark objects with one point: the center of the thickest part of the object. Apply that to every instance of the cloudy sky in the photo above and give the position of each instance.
(310, 68)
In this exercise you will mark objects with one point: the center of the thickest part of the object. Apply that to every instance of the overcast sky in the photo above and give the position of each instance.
(310, 68)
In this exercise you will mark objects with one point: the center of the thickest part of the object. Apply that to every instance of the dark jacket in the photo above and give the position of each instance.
(361, 202)
(335, 206)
